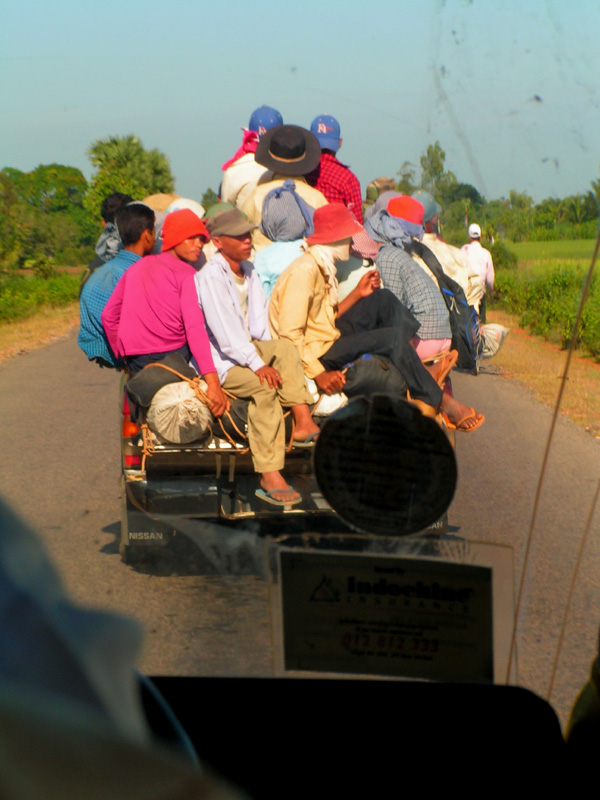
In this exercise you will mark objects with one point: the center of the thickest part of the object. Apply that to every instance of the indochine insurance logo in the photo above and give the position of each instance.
(419, 595)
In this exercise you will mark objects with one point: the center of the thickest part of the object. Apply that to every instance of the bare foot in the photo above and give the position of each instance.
(304, 425)
(461, 416)
(278, 488)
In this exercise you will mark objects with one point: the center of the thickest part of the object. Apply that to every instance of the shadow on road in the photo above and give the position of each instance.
(180, 557)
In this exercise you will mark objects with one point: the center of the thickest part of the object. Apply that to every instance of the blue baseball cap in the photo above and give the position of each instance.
(263, 119)
(327, 131)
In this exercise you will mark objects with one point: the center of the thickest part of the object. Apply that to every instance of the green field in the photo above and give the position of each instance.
(579, 249)
(545, 291)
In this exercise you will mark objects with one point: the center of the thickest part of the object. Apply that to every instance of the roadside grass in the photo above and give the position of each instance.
(45, 326)
(35, 311)
(578, 249)
(22, 295)
(538, 365)
(547, 264)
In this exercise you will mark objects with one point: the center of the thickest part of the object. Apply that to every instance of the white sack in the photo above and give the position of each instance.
(177, 415)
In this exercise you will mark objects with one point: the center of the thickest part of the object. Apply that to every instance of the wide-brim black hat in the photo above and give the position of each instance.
(288, 150)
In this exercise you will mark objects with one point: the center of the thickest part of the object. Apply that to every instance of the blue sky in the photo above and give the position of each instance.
(508, 88)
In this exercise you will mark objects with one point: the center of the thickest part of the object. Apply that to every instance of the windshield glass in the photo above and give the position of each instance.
(489, 103)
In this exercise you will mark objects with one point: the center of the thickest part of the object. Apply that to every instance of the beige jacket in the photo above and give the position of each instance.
(300, 310)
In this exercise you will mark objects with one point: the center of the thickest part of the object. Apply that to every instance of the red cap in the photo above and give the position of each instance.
(407, 208)
(181, 225)
(332, 223)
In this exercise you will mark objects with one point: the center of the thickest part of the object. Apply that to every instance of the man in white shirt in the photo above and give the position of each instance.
(242, 172)
(480, 261)
(249, 363)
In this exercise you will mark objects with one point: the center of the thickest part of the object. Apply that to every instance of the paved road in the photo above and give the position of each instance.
(60, 471)
(498, 473)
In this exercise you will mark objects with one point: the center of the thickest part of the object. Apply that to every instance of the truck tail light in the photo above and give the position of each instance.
(129, 428)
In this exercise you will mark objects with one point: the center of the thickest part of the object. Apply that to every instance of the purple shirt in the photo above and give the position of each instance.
(154, 309)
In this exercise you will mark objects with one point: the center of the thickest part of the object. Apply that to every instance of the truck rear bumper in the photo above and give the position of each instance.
(151, 508)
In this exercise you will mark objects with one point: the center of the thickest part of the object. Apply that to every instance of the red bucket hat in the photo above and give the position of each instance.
(181, 225)
(405, 207)
(332, 223)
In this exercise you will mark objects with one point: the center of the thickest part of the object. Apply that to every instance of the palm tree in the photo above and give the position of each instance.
(593, 198)
(576, 209)
(125, 155)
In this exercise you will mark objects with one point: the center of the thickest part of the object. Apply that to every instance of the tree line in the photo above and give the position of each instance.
(515, 218)
(51, 215)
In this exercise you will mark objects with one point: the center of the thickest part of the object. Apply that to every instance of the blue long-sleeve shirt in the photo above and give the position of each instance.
(94, 297)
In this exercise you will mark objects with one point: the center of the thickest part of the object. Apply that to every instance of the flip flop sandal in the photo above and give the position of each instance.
(263, 494)
(464, 419)
(307, 443)
(449, 425)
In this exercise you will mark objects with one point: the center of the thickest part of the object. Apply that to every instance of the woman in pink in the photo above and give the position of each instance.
(154, 309)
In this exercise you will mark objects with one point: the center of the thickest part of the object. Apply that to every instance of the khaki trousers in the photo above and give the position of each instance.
(266, 427)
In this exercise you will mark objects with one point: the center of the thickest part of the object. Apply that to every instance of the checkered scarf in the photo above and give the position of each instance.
(383, 227)
(285, 215)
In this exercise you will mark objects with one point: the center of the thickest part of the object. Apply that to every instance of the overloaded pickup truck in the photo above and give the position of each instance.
(213, 478)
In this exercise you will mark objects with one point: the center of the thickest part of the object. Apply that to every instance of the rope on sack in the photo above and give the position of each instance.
(147, 443)
(194, 383)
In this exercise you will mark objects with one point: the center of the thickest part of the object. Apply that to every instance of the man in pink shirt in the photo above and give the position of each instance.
(154, 308)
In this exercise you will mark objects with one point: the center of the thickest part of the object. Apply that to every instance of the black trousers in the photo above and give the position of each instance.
(381, 325)
(482, 311)
(136, 363)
